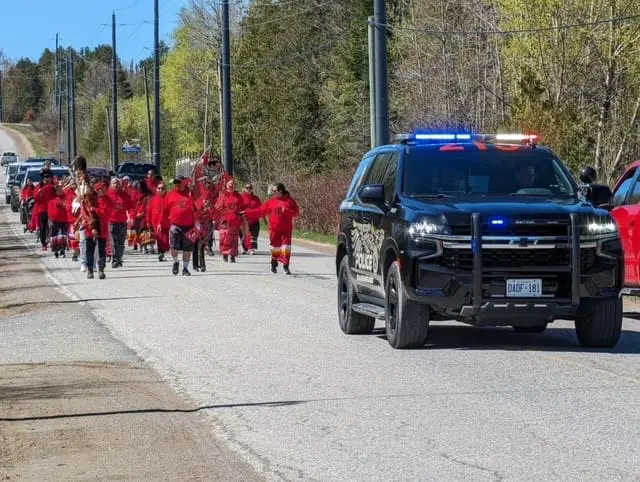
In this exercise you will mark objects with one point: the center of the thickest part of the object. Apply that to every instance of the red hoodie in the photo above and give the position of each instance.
(155, 213)
(251, 201)
(281, 211)
(120, 204)
(57, 209)
(178, 207)
(70, 195)
(27, 192)
(229, 206)
(100, 207)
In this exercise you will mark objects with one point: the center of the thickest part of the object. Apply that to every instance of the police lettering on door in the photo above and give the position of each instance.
(366, 242)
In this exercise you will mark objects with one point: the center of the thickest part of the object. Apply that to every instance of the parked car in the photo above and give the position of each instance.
(11, 172)
(14, 188)
(35, 175)
(8, 157)
(136, 171)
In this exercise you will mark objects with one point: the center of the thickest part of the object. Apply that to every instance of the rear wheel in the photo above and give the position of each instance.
(602, 328)
(351, 322)
(407, 322)
(531, 329)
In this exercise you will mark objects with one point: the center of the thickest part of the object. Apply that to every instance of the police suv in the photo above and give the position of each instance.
(489, 230)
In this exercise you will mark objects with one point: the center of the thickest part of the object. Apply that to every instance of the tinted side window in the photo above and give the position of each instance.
(379, 167)
(634, 197)
(619, 196)
(390, 178)
(358, 175)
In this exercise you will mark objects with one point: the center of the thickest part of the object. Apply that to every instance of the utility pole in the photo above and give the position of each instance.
(381, 81)
(74, 151)
(226, 89)
(146, 94)
(206, 112)
(69, 158)
(55, 82)
(114, 95)
(60, 95)
(220, 114)
(1, 117)
(372, 82)
(156, 86)
(106, 108)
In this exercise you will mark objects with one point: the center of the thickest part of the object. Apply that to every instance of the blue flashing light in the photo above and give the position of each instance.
(441, 137)
(497, 222)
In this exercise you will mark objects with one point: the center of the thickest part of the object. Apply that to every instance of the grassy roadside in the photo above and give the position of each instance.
(35, 138)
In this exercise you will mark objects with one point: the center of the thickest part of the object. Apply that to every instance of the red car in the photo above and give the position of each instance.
(625, 209)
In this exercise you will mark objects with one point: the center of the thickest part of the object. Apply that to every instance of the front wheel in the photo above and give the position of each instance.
(351, 322)
(407, 322)
(603, 327)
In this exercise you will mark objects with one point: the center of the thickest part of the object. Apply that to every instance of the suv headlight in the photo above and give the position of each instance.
(600, 226)
(427, 226)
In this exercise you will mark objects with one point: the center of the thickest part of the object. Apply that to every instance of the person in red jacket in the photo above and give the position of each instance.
(179, 209)
(204, 216)
(251, 201)
(94, 217)
(282, 209)
(229, 207)
(25, 195)
(157, 221)
(59, 219)
(151, 181)
(74, 241)
(43, 193)
(134, 223)
(120, 205)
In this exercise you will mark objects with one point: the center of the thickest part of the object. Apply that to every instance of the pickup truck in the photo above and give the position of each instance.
(8, 158)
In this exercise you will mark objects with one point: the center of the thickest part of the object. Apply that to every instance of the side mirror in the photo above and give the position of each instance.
(599, 195)
(372, 194)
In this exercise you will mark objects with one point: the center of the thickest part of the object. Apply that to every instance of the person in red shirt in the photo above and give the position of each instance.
(229, 207)
(157, 221)
(251, 201)
(59, 219)
(120, 205)
(42, 194)
(151, 181)
(204, 216)
(179, 209)
(134, 223)
(282, 209)
(25, 195)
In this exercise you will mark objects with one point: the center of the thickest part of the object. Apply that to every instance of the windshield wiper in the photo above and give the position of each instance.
(432, 196)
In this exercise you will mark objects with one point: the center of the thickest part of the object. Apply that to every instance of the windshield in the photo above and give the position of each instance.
(135, 168)
(489, 173)
(36, 176)
(13, 168)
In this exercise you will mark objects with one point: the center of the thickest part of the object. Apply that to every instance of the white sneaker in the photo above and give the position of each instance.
(83, 269)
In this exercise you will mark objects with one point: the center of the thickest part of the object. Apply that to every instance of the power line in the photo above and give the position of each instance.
(434, 32)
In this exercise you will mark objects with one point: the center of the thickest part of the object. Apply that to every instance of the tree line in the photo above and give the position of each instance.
(568, 70)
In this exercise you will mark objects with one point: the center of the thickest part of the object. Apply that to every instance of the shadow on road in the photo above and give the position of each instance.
(82, 300)
(553, 339)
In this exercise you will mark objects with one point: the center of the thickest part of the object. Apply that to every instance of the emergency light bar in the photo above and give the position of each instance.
(516, 137)
(435, 137)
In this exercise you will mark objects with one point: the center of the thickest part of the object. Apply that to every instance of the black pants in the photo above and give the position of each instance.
(254, 229)
(91, 251)
(43, 220)
(198, 254)
(118, 240)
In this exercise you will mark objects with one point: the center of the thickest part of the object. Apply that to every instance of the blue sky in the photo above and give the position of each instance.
(27, 27)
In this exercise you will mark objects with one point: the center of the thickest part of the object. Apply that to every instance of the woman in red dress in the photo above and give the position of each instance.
(157, 221)
(229, 205)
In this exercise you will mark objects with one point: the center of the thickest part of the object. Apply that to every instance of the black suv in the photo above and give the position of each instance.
(486, 230)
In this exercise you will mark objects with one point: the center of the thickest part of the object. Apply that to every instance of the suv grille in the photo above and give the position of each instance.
(462, 260)
(516, 230)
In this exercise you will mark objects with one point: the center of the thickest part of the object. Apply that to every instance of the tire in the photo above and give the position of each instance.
(351, 323)
(7, 199)
(23, 217)
(407, 322)
(530, 329)
(603, 327)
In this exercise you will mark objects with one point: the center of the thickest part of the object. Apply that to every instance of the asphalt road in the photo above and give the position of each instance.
(301, 401)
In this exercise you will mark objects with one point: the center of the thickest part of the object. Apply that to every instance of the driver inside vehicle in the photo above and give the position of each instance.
(526, 176)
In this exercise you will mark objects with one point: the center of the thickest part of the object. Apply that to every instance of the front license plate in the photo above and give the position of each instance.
(524, 288)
